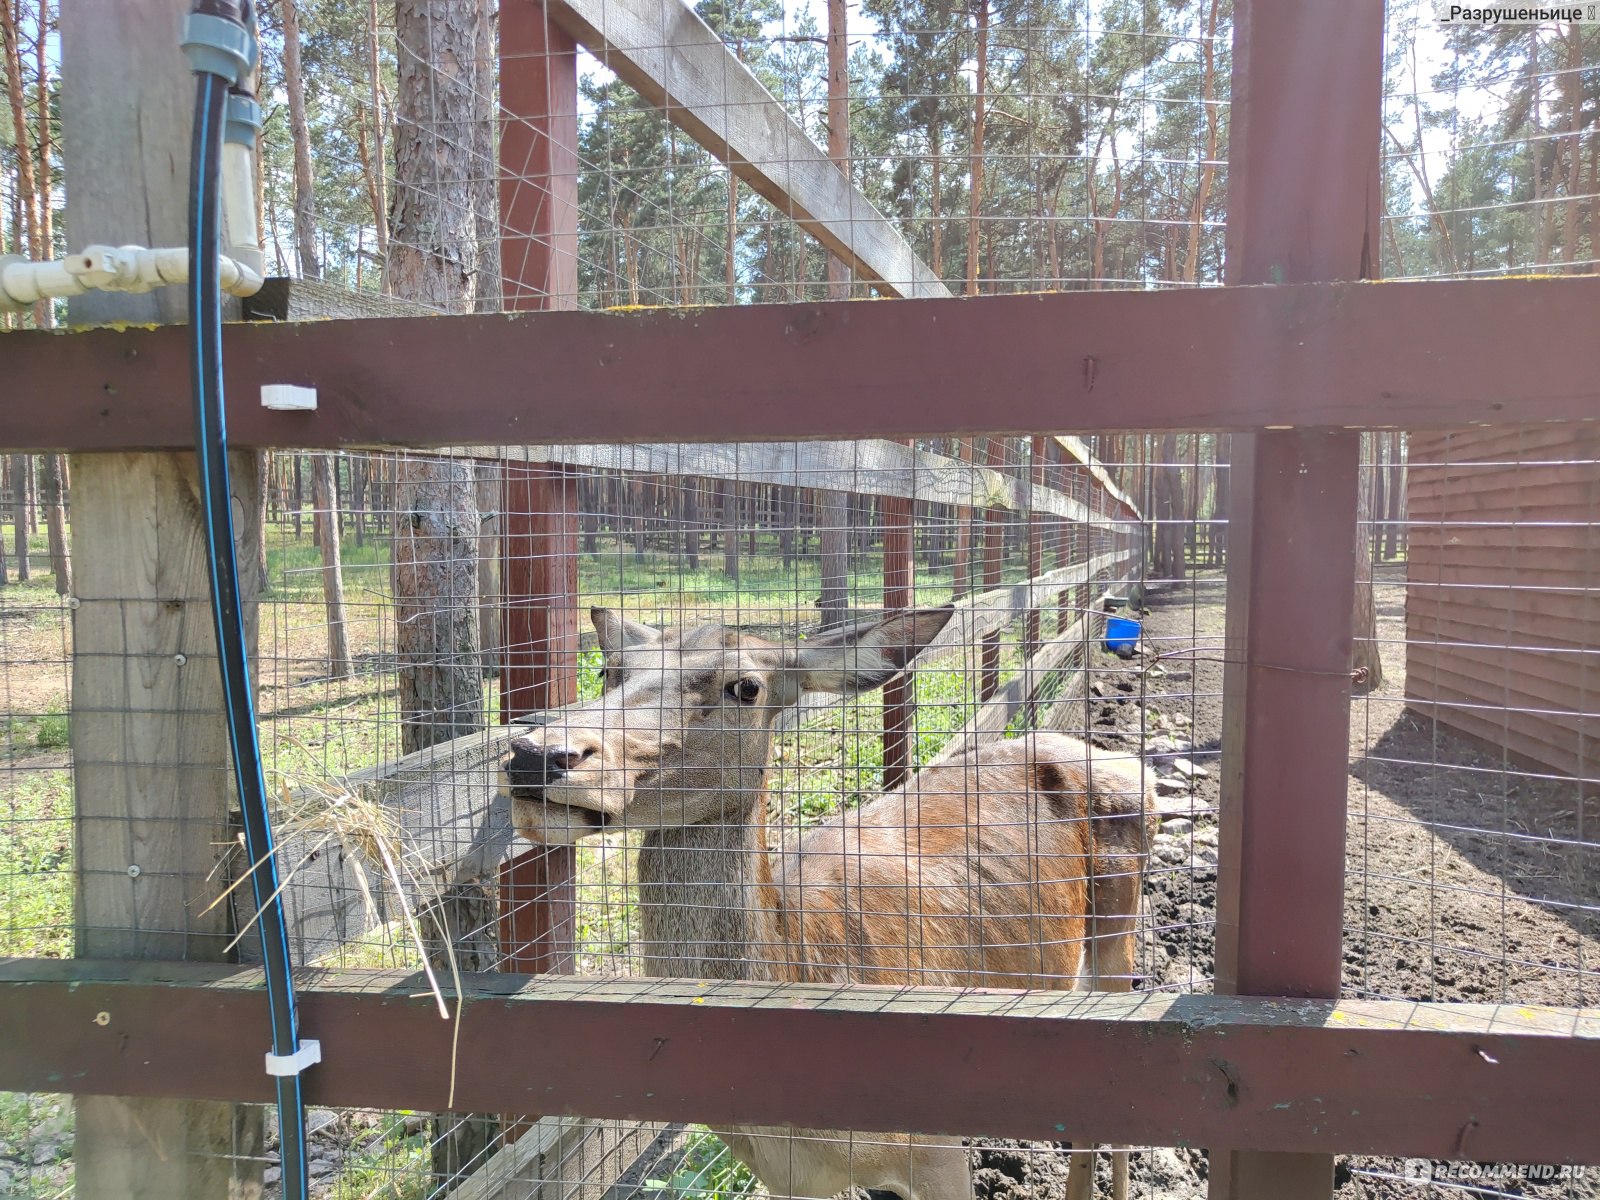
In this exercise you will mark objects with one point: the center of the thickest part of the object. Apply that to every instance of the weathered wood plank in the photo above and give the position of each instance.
(864, 467)
(665, 52)
(442, 802)
(152, 786)
(566, 1158)
(1372, 1077)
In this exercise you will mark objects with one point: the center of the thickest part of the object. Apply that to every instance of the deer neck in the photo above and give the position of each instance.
(707, 905)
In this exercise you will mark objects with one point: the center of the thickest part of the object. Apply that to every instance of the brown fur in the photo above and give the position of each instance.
(1015, 864)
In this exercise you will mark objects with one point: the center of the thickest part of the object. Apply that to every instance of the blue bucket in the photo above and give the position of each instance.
(1122, 634)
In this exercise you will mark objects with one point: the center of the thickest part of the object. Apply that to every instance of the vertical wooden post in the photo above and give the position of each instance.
(1033, 621)
(1303, 207)
(539, 518)
(899, 591)
(961, 568)
(993, 556)
(152, 784)
(1036, 475)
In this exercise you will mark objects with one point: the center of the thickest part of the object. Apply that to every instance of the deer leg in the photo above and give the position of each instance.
(1114, 949)
(1080, 1174)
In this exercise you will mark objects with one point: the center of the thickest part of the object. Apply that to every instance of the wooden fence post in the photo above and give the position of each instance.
(152, 785)
(993, 558)
(540, 511)
(899, 591)
(1302, 206)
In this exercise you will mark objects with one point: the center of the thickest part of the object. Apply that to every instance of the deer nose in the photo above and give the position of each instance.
(535, 766)
(564, 758)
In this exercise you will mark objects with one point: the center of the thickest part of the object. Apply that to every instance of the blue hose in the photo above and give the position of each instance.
(211, 445)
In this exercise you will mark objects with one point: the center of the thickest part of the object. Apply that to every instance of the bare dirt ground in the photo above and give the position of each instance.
(1467, 878)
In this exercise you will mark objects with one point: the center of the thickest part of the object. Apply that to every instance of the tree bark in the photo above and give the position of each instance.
(1208, 170)
(19, 515)
(305, 199)
(979, 103)
(833, 517)
(377, 184)
(433, 254)
(53, 485)
(434, 258)
(325, 516)
(489, 482)
(838, 126)
(27, 192)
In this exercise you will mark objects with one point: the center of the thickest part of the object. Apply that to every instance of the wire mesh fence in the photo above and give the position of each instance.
(1075, 145)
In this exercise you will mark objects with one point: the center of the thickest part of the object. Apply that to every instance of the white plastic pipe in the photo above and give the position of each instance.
(112, 269)
(239, 205)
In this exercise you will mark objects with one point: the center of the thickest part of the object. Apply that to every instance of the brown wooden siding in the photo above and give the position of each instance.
(1503, 589)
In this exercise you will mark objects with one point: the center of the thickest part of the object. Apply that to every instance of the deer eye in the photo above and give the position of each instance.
(744, 690)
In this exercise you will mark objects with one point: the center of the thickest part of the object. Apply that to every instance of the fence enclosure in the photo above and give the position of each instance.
(887, 455)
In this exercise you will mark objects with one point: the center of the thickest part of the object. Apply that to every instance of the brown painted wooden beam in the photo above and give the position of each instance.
(1304, 208)
(1405, 355)
(1486, 1082)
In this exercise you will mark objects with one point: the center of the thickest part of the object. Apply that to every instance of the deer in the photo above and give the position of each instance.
(1014, 863)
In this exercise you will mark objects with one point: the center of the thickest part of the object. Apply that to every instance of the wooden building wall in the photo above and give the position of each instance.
(1503, 595)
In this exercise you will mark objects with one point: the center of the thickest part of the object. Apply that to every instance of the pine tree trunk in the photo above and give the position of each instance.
(433, 255)
(838, 126)
(488, 477)
(980, 101)
(731, 263)
(434, 258)
(19, 515)
(325, 517)
(935, 148)
(689, 521)
(305, 199)
(484, 180)
(1572, 88)
(298, 497)
(55, 517)
(436, 581)
(833, 515)
(377, 184)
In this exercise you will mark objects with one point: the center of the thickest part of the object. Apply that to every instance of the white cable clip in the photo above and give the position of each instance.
(309, 1054)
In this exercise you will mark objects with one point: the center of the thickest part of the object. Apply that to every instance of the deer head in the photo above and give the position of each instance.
(683, 730)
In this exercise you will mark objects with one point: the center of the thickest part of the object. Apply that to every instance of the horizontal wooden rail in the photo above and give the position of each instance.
(1365, 355)
(862, 467)
(665, 52)
(1078, 453)
(1487, 1082)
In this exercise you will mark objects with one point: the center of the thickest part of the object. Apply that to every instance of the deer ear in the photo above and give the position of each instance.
(617, 633)
(860, 657)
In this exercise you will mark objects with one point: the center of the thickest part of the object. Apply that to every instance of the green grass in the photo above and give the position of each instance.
(35, 1146)
(392, 1165)
(36, 864)
(294, 566)
(707, 1171)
